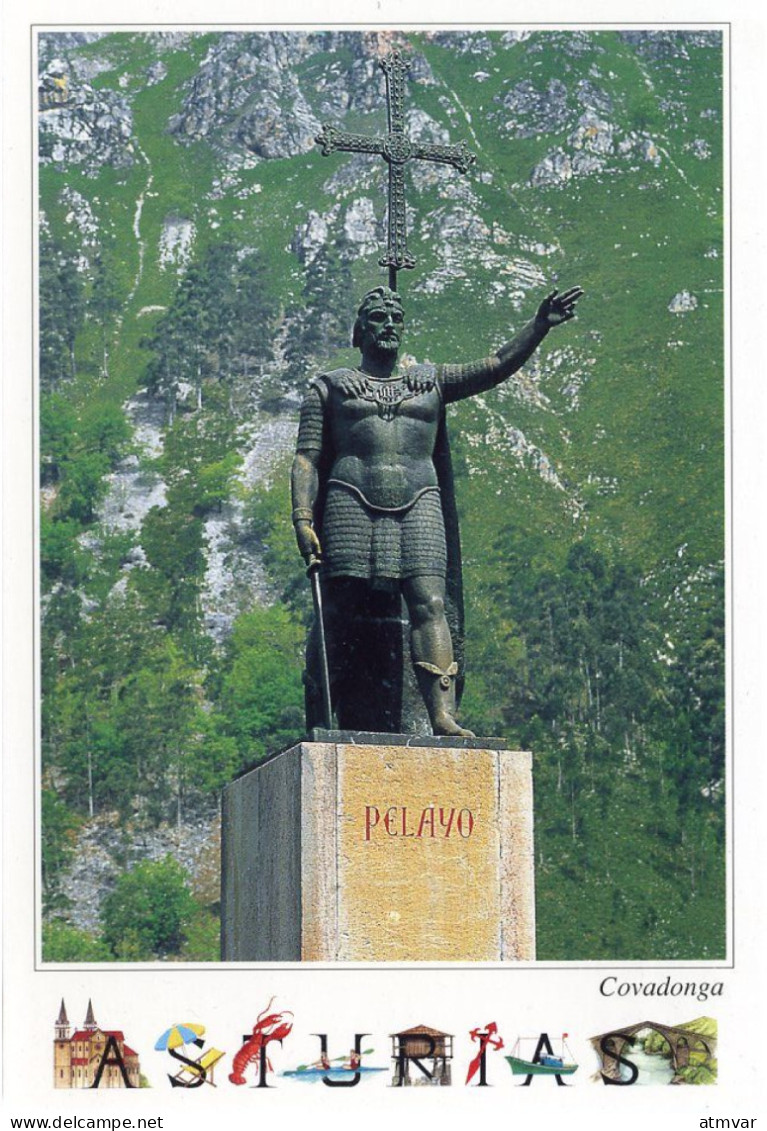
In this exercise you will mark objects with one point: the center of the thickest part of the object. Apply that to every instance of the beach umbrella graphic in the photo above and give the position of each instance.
(185, 1033)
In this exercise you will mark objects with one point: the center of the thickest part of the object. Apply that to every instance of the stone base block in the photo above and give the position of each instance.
(380, 851)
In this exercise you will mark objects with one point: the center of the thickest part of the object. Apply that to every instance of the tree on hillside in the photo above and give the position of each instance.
(59, 826)
(255, 314)
(322, 323)
(99, 439)
(147, 914)
(261, 695)
(590, 645)
(64, 943)
(104, 304)
(61, 312)
(220, 320)
(172, 361)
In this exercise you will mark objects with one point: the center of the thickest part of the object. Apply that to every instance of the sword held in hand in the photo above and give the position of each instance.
(313, 573)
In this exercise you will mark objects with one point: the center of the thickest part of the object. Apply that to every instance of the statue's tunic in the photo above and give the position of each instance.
(380, 515)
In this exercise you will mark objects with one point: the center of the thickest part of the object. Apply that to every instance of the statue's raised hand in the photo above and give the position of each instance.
(557, 308)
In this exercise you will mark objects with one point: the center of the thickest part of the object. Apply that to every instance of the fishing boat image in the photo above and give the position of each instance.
(545, 1064)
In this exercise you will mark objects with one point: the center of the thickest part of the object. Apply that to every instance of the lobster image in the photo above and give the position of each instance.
(268, 1027)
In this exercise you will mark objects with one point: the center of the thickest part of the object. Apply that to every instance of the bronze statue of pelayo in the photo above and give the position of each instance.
(373, 504)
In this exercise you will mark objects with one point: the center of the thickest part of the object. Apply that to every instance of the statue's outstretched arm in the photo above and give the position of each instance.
(460, 381)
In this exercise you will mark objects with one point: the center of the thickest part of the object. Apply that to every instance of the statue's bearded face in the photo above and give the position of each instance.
(382, 326)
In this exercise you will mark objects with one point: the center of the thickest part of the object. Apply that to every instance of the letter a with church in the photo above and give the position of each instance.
(389, 832)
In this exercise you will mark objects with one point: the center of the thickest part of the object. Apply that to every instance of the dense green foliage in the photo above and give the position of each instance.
(219, 325)
(65, 943)
(61, 313)
(59, 826)
(590, 491)
(146, 915)
(151, 913)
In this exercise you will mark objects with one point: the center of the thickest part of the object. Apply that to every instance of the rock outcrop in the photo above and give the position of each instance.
(80, 126)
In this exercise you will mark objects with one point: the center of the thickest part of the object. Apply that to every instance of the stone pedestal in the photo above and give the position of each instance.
(380, 848)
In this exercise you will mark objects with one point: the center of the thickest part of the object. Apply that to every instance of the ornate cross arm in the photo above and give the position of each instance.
(395, 66)
(333, 140)
(459, 156)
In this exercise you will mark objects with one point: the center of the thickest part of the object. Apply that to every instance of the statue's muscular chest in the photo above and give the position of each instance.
(383, 436)
(373, 418)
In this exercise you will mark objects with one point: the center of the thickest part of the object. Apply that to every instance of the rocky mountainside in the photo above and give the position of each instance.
(200, 258)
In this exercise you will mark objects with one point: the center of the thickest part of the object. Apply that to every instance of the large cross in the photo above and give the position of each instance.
(396, 148)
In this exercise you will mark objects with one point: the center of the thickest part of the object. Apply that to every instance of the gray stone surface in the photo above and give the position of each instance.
(261, 869)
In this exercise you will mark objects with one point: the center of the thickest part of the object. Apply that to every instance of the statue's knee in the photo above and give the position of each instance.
(428, 609)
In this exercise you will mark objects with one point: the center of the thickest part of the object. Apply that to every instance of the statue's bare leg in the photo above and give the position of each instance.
(432, 649)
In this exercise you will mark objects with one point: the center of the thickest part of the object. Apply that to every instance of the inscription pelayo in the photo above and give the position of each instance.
(432, 823)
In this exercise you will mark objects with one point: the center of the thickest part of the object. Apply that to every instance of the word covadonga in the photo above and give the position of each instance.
(434, 822)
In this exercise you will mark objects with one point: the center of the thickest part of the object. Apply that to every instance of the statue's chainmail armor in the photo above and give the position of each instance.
(360, 542)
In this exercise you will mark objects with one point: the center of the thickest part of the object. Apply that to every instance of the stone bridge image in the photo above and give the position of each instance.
(681, 1043)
